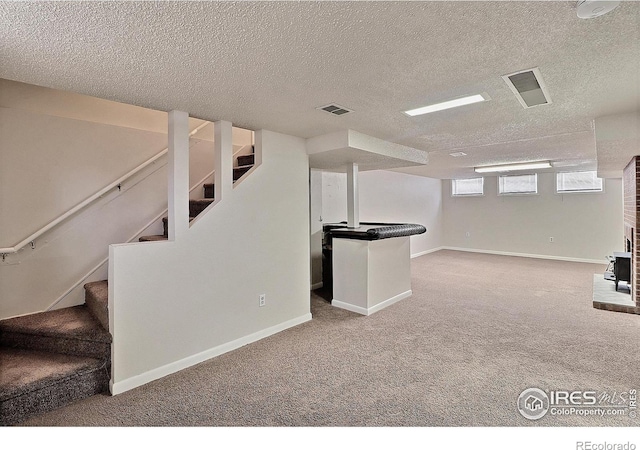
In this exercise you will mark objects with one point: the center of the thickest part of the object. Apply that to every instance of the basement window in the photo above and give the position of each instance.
(518, 184)
(467, 187)
(578, 182)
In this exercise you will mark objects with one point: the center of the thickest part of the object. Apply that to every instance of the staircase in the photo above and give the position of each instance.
(244, 164)
(53, 358)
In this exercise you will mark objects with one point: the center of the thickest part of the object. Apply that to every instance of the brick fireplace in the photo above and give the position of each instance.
(631, 210)
(631, 186)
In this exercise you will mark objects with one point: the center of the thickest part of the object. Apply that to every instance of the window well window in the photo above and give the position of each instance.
(518, 184)
(469, 186)
(578, 182)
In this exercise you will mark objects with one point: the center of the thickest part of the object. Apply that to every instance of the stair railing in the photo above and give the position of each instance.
(131, 239)
(116, 184)
(136, 235)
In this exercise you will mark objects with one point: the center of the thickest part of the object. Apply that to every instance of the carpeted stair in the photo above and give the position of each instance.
(244, 164)
(96, 297)
(53, 358)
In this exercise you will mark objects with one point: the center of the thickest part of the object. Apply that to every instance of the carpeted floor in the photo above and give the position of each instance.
(478, 330)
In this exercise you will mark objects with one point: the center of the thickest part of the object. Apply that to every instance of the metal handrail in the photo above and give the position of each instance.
(31, 238)
(104, 261)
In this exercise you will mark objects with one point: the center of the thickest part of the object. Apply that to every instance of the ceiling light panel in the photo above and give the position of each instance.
(516, 166)
(477, 98)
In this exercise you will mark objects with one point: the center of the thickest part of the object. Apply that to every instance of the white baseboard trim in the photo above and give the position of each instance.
(154, 374)
(317, 286)
(350, 307)
(426, 252)
(526, 255)
(373, 309)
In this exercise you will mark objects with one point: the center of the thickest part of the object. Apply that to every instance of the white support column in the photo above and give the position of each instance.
(178, 174)
(353, 198)
(257, 147)
(223, 143)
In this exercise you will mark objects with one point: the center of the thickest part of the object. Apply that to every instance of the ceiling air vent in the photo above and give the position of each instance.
(529, 87)
(334, 109)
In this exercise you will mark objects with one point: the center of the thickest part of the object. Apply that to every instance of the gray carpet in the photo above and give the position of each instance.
(51, 359)
(477, 331)
(72, 331)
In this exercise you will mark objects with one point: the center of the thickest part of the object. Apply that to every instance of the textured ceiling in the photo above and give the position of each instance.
(270, 64)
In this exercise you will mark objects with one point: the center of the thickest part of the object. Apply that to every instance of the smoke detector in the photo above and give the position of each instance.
(588, 9)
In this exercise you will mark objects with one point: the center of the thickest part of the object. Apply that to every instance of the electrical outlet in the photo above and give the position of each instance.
(263, 300)
(550, 239)
(468, 234)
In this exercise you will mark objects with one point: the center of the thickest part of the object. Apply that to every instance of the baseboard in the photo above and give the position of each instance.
(526, 255)
(317, 286)
(144, 378)
(426, 252)
(373, 309)
(350, 307)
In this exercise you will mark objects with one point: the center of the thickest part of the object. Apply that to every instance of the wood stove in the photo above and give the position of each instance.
(622, 267)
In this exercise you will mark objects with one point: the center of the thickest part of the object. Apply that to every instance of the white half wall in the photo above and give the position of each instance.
(584, 226)
(370, 275)
(174, 304)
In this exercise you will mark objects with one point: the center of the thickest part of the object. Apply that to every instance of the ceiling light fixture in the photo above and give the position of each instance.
(588, 9)
(515, 166)
(477, 98)
(457, 154)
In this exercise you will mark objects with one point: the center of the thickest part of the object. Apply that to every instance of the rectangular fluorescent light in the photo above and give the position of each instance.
(515, 166)
(448, 104)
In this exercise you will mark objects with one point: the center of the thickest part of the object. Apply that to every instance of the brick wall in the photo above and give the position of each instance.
(631, 178)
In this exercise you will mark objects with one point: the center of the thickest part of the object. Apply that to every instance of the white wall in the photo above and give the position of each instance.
(334, 197)
(203, 299)
(397, 197)
(38, 279)
(387, 196)
(57, 149)
(315, 226)
(584, 226)
(49, 164)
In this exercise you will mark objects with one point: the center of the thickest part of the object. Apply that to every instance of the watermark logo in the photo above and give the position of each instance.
(533, 403)
(588, 445)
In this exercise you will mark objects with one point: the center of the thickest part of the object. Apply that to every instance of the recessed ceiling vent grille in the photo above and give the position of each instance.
(334, 109)
(528, 87)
